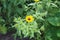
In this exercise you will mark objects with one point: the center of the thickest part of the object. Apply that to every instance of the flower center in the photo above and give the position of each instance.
(29, 18)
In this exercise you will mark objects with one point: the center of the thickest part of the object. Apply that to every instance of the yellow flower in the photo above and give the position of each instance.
(29, 18)
(36, 0)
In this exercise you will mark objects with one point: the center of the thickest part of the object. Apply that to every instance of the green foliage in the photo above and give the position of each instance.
(3, 29)
(46, 15)
(28, 29)
(55, 19)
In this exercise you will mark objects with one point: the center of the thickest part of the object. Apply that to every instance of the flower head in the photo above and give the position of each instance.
(29, 18)
(36, 0)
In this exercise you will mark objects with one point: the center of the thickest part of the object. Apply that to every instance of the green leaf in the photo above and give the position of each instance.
(58, 33)
(3, 29)
(54, 21)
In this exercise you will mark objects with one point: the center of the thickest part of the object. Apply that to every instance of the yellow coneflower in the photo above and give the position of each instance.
(29, 18)
(36, 0)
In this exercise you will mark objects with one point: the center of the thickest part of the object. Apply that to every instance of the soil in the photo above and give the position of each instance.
(10, 37)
